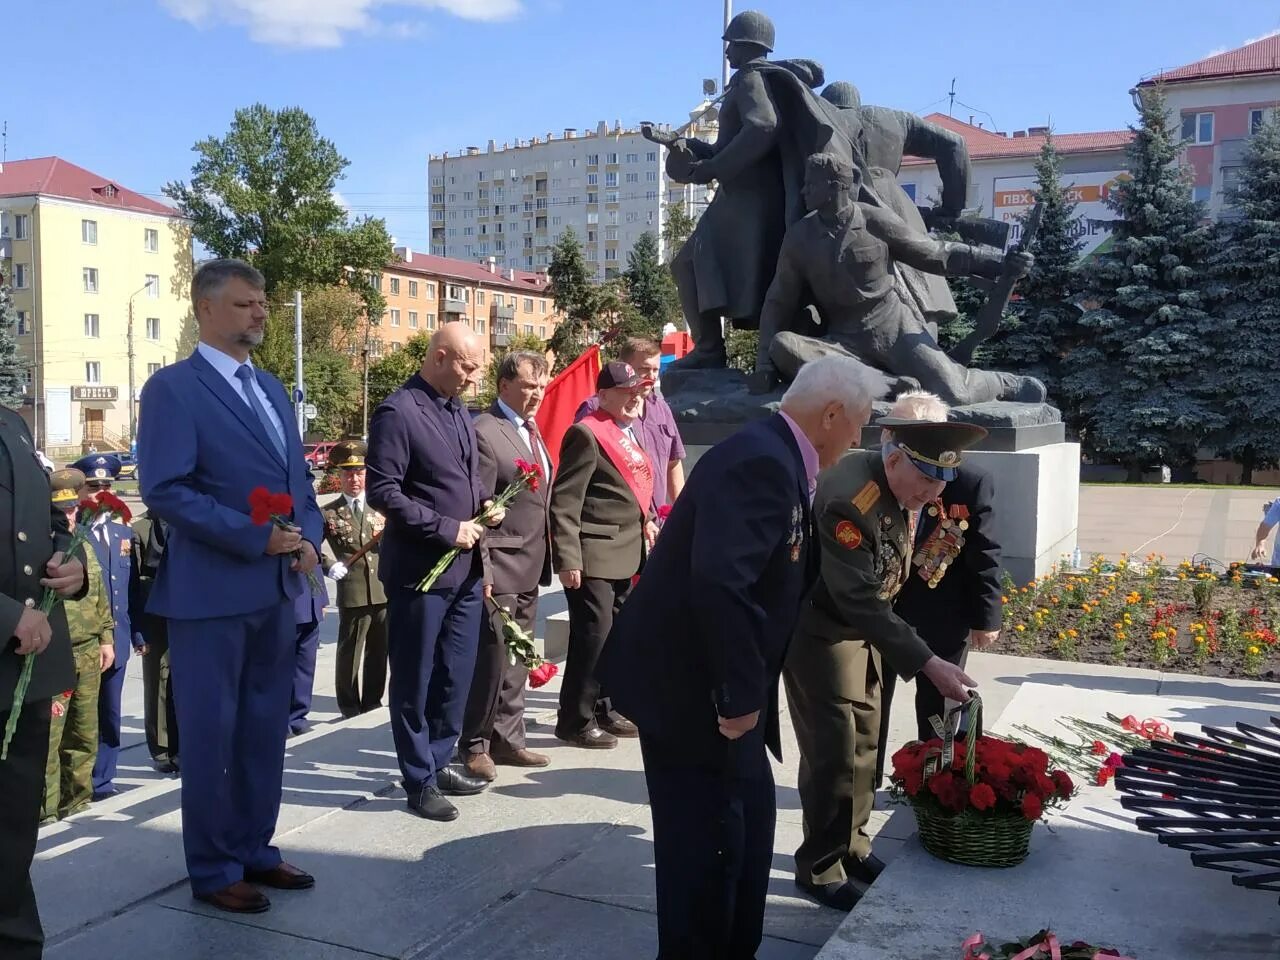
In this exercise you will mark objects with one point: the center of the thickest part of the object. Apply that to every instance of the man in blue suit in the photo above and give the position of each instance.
(214, 428)
(695, 655)
(112, 541)
(423, 475)
(308, 611)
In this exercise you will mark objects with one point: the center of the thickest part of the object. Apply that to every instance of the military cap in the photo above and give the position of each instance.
(99, 467)
(348, 455)
(936, 449)
(65, 485)
(750, 26)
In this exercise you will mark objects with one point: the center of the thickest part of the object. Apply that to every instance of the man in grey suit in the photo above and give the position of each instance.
(519, 560)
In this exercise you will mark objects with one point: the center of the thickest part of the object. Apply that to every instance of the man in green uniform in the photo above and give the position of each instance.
(73, 727)
(864, 510)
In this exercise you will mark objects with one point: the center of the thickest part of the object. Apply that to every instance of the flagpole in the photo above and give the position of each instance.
(724, 47)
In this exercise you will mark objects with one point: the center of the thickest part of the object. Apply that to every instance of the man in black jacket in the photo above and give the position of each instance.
(957, 607)
(34, 535)
(160, 719)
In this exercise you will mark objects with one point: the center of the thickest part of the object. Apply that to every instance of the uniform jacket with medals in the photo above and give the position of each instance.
(345, 536)
(864, 541)
(967, 597)
(112, 542)
(518, 550)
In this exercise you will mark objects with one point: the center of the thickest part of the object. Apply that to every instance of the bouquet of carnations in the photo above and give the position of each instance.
(528, 475)
(267, 507)
(976, 799)
(520, 647)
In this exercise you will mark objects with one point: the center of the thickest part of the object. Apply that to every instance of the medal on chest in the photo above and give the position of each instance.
(944, 544)
(796, 541)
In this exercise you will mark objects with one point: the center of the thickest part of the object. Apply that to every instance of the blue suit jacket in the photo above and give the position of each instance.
(418, 480)
(204, 451)
(119, 573)
(706, 629)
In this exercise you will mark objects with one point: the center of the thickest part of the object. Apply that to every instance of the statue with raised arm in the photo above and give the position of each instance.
(843, 257)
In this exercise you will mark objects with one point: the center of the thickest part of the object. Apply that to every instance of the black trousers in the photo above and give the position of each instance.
(495, 706)
(21, 795)
(160, 717)
(712, 846)
(592, 608)
(361, 668)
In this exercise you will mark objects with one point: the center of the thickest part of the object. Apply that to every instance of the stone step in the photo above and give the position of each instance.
(553, 644)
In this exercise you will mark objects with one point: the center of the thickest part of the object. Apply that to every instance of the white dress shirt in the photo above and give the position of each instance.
(518, 421)
(227, 366)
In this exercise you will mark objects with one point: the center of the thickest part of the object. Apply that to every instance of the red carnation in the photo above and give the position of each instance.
(982, 797)
(1064, 783)
(1032, 808)
(1113, 761)
(530, 473)
(1104, 775)
(664, 511)
(540, 676)
(1098, 749)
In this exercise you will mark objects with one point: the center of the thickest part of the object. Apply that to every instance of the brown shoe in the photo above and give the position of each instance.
(620, 726)
(520, 758)
(480, 766)
(237, 898)
(283, 876)
(592, 738)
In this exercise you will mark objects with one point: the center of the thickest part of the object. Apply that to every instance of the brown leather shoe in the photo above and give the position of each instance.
(520, 758)
(480, 766)
(283, 876)
(592, 738)
(237, 898)
(619, 726)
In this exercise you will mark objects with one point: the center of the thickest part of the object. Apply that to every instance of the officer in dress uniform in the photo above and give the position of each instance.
(73, 727)
(112, 541)
(352, 527)
(865, 510)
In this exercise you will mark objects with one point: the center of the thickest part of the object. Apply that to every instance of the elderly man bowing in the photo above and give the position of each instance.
(423, 475)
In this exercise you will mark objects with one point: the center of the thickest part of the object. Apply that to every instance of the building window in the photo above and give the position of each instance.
(542, 332)
(479, 298)
(593, 159)
(21, 226)
(479, 325)
(652, 176)
(375, 281)
(593, 218)
(153, 328)
(21, 276)
(591, 236)
(395, 318)
(633, 158)
(611, 254)
(153, 286)
(1201, 194)
(413, 289)
(437, 198)
(528, 329)
(611, 233)
(152, 369)
(633, 178)
(528, 306)
(89, 231)
(91, 328)
(92, 371)
(542, 306)
(593, 179)
(431, 291)
(611, 178)
(453, 293)
(151, 240)
(90, 275)
(593, 198)
(431, 321)
(611, 158)
(652, 156)
(1256, 119)
(611, 197)
(413, 319)
(632, 216)
(1197, 128)
(24, 323)
(613, 216)
(395, 285)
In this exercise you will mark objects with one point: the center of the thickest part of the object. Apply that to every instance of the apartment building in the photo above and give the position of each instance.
(101, 278)
(513, 202)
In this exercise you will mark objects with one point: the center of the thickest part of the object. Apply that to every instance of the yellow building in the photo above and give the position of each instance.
(101, 280)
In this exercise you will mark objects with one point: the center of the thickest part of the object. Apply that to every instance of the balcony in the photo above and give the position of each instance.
(6, 248)
(499, 314)
(454, 306)
(501, 330)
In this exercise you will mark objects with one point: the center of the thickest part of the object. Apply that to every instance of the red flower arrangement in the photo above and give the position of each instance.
(1007, 778)
(267, 507)
(105, 502)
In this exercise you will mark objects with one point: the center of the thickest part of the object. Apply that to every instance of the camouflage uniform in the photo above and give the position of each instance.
(73, 732)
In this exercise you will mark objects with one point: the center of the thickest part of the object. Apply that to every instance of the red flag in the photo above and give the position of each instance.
(564, 395)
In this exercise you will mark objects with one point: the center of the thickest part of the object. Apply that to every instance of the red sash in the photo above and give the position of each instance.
(627, 457)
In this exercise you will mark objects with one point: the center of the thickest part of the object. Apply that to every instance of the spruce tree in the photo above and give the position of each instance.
(1043, 323)
(650, 289)
(13, 368)
(1246, 268)
(576, 299)
(1144, 372)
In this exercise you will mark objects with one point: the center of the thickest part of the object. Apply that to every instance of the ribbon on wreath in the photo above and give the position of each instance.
(946, 729)
(1048, 947)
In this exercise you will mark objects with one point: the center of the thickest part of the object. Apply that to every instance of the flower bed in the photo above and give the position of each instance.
(1184, 619)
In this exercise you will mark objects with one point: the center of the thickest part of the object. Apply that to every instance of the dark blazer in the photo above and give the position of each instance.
(968, 596)
(519, 549)
(596, 525)
(205, 452)
(30, 531)
(417, 479)
(706, 629)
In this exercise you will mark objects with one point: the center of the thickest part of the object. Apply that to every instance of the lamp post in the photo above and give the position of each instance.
(133, 408)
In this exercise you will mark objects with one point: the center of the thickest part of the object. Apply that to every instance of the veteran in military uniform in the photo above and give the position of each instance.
(73, 727)
(864, 509)
(352, 531)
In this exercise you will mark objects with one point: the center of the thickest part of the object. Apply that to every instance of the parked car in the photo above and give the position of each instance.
(317, 454)
(128, 466)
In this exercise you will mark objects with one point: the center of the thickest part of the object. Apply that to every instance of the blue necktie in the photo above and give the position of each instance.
(244, 373)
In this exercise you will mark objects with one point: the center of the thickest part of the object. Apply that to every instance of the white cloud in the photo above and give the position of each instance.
(1262, 36)
(340, 200)
(326, 23)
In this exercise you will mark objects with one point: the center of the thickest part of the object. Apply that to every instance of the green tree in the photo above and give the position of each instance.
(391, 370)
(650, 289)
(519, 342)
(265, 193)
(576, 298)
(1043, 325)
(13, 368)
(1246, 270)
(1144, 371)
(333, 385)
(676, 228)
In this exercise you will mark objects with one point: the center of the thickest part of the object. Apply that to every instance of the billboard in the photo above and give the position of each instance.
(57, 416)
(1014, 197)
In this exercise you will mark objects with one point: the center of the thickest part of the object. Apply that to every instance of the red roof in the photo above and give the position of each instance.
(1260, 57)
(989, 145)
(469, 271)
(55, 177)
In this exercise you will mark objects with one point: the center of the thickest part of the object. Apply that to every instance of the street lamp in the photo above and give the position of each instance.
(133, 409)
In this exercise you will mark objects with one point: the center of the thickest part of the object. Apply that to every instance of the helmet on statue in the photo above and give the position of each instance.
(843, 95)
(750, 26)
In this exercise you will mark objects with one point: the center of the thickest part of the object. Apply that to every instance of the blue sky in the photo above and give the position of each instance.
(125, 87)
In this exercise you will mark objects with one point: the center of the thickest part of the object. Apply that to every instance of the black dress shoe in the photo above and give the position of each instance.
(430, 804)
(841, 895)
(866, 869)
(453, 780)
